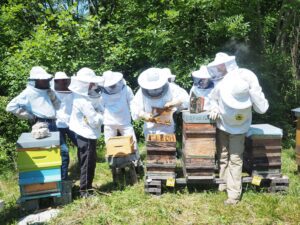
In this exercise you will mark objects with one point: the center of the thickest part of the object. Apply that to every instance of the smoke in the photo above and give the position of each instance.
(239, 49)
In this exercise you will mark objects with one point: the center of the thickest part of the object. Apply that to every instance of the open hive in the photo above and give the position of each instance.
(161, 154)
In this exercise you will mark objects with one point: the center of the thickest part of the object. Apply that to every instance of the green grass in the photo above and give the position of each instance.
(184, 206)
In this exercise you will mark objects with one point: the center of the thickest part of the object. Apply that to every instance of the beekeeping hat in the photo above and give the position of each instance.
(234, 92)
(111, 78)
(152, 78)
(60, 76)
(38, 73)
(221, 65)
(87, 75)
(61, 82)
(167, 72)
(202, 73)
(80, 83)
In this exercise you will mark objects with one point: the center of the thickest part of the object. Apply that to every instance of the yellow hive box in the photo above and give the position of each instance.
(36, 159)
(36, 154)
(120, 146)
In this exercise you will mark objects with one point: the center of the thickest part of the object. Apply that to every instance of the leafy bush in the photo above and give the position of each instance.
(10, 129)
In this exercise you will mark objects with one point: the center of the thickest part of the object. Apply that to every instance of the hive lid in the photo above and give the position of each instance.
(296, 111)
(265, 130)
(202, 117)
(27, 141)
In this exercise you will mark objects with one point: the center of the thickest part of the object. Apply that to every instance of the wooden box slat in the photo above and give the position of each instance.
(198, 147)
(265, 142)
(34, 189)
(198, 128)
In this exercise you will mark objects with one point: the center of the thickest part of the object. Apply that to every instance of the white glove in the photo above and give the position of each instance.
(23, 114)
(146, 116)
(214, 114)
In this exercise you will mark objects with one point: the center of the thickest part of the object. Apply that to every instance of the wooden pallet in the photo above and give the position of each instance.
(153, 187)
(271, 184)
(280, 184)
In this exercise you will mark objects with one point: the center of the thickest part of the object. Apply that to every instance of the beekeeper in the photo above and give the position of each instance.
(61, 83)
(222, 65)
(232, 101)
(156, 91)
(202, 85)
(37, 102)
(116, 99)
(86, 120)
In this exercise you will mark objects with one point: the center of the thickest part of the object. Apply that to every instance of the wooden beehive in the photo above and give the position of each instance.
(262, 154)
(37, 154)
(161, 153)
(39, 162)
(297, 114)
(119, 146)
(199, 145)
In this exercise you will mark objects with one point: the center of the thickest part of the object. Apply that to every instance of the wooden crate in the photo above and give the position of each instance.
(119, 146)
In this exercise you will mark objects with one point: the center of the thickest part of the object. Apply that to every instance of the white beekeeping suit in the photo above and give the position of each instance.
(232, 100)
(202, 85)
(86, 118)
(116, 100)
(37, 101)
(61, 83)
(155, 91)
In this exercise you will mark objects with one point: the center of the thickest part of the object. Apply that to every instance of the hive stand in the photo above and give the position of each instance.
(124, 174)
(120, 156)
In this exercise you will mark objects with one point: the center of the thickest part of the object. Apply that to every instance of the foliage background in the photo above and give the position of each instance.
(133, 35)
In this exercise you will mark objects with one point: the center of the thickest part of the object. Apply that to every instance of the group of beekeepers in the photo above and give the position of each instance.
(78, 106)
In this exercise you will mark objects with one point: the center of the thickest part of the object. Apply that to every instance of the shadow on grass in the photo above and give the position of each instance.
(11, 214)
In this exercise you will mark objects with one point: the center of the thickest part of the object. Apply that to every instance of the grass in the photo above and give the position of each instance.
(184, 206)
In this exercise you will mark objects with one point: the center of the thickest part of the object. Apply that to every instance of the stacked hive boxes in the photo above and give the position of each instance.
(39, 164)
(161, 154)
(199, 145)
(262, 154)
